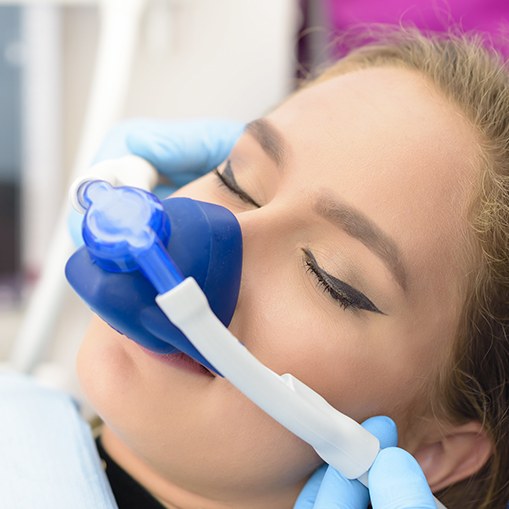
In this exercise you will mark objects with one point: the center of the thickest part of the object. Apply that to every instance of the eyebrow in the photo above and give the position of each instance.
(357, 225)
(269, 139)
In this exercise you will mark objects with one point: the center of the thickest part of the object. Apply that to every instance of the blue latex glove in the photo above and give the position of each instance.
(180, 150)
(395, 480)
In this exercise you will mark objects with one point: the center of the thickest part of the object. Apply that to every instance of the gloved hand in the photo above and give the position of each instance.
(395, 480)
(179, 150)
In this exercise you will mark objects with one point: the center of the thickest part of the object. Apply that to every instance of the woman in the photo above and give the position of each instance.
(374, 210)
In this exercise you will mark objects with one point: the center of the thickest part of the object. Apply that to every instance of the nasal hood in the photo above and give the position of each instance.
(205, 243)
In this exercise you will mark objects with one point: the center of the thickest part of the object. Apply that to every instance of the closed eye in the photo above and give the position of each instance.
(341, 292)
(227, 179)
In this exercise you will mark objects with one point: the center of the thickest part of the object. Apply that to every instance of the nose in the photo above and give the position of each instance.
(269, 236)
(267, 228)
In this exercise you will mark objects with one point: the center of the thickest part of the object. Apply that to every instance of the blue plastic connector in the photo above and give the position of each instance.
(125, 229)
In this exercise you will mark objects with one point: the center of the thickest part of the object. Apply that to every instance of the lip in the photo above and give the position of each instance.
(179, 360)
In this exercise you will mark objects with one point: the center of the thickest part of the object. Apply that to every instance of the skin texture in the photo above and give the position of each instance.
(384, 142)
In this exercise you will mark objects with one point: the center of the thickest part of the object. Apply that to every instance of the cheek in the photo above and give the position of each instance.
(122, 383)
(362, 365)
(100, 365)
(108, 374)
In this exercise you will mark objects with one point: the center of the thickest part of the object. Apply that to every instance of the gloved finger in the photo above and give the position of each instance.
(333, 487)
(184, 146)
(338, 492)
(114, 144)
(384, 428)
(307, 496)
(396, 481)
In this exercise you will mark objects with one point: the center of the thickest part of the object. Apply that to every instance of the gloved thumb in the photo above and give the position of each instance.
(189, 147)
(396, 481)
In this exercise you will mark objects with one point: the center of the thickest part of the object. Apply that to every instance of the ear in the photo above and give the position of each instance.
(460, 453)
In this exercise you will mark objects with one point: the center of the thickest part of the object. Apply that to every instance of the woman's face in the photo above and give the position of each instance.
(353, 198)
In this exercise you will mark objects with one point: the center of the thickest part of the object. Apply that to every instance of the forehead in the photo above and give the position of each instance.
(395, 111)
(386, 141)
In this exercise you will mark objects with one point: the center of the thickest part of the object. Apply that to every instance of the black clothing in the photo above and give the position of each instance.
(129, 494)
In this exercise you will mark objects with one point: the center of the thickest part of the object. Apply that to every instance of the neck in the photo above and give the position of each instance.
(174, 496)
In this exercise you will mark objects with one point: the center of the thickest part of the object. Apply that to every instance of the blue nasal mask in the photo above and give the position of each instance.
(133, 240)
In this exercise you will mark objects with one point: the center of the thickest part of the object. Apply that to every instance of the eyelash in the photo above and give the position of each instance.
(356, 300)
(343, 300)
(233, 187)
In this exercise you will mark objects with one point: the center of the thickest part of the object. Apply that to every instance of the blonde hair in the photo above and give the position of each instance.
(476, 386)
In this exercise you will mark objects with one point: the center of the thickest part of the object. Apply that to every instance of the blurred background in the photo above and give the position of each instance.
(71, 69)
(63, 64)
